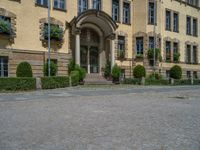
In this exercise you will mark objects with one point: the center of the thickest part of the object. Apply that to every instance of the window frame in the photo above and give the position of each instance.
(126, 18)
(4, 72)
(59, 8)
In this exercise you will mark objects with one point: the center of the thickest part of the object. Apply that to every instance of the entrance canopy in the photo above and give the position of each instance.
(98, 18)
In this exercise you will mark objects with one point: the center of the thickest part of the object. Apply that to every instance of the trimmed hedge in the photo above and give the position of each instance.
(132, 81)
(54, 82)
(74, 78)
(53, 69)
(156, 82)
(17, 84)
(182, 82)
(24, 70)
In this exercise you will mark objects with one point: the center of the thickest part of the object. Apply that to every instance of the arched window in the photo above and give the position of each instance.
(82, 5)
(97, 4)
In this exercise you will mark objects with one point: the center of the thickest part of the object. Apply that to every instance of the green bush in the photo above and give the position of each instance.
(196, 82)
(56, 32)
(17, 84)
(82, 72)
(150, 54)
(71, 66)
(116, 71)
(53, 69)
(156, 76)
(139, 71)
(24, 70)
(176, 72)
(182, 82)
(176, 57)
(132, 81)
(107, 71)
(54, 82)
(74, 78)
(151, 81)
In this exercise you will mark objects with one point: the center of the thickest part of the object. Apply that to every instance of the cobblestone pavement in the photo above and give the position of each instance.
(101, 118)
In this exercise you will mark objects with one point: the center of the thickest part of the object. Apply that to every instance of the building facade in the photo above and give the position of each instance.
(93, 32)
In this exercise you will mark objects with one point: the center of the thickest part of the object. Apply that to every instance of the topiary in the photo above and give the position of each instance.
(24, 70)
(116, 71)
(139, 71)
(176, 72)
(107, 71)
(82, 72)
(53, 69)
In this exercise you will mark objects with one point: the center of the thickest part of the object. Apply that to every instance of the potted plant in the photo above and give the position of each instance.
(56, 33)
(5, 27)
(176, 57)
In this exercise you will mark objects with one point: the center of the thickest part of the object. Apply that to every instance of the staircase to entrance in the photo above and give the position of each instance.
(96, 79)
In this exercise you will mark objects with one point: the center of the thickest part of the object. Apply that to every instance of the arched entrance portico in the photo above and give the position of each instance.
(94, 40)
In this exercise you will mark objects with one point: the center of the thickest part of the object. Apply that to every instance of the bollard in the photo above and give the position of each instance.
(38, 83)
(143, 81)
(172, 81)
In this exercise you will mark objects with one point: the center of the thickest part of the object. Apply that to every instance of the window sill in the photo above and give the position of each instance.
(152, 24)
(39, 5)
(60, 9)
(129, 24)
(168, 30)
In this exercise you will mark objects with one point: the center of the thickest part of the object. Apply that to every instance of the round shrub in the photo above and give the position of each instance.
(53, 69)
(82, 72)
(139, 71)
(116, 71)
(24, 70)
(176, 72)
(71, 66)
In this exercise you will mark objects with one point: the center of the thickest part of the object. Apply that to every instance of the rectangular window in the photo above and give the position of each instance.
(176, 22)
(151, 43)
(168, 20)
(195, 55)
(115, 10)
(188, 54)
(168, 51)
(82, 6)
(121, 46)
(195, 27)
(126, 13)
(151, 14)
(139, 45)
(42, 2)
(59, 4)
(195, 75)
(175, 47)
(3, 66)
(188, 25)
(97, 4)
(188, 74)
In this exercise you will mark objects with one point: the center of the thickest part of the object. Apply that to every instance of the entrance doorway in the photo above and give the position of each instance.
(89, 50)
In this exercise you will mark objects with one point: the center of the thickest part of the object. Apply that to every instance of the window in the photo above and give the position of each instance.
(188, 54)
(188, 74)
(168, 20)
(59, 4)
(193, 2)
(195, 75)
(3, 66)
(195, 27)
(139, 45)
(115, 10)
(121, 46)
(97, 4)
(195, 55)
(82, 6)
(42, 2)
(168, 51)
(188, 25)
(176, 22)
(151, 43)
(126, 13)
(175, 47)
(151, 17)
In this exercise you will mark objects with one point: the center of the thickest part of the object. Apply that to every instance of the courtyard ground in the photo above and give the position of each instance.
(102, 118)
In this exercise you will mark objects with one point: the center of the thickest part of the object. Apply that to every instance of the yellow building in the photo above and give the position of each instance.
(93, 32)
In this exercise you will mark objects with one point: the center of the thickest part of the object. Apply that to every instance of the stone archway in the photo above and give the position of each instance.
(100, 24)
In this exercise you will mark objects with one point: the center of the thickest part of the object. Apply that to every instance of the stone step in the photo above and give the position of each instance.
(96, 79)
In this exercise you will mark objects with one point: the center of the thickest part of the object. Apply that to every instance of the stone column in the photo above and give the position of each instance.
(88, 60)
(112, 51)
(77, 49)
(191, 53)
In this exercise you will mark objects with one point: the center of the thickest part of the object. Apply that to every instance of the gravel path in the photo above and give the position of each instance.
(101, 118)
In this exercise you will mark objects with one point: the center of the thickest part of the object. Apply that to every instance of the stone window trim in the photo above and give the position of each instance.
(191, 44)
(53, 21)
(145, 44)
(130, 15)
(121, 33)
(172, 12)
(12, 16)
